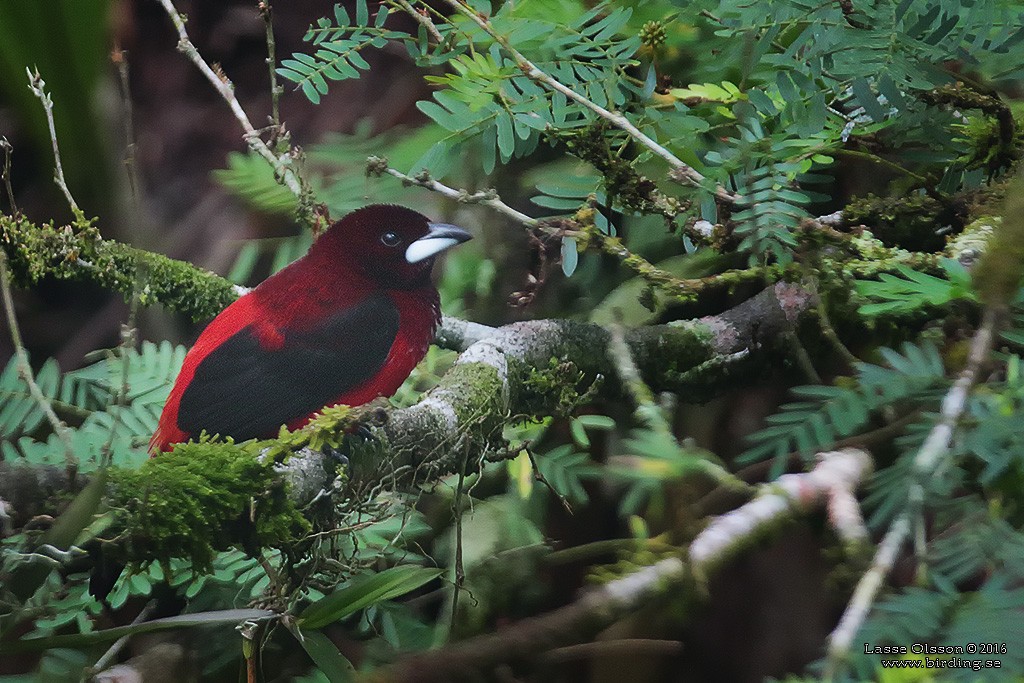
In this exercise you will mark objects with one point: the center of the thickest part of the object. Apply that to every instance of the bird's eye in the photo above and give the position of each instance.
(390, 239)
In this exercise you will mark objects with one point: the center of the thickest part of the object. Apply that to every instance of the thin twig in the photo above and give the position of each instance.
(681, 172)
(677, 287)
(127, 342)
(6, 173)
(631, 648)
(103, 662)
(460, 569)
(121, 398)
(377, 166)
(929, 459)
(802, 358)
(267, 12)
(273, 575)
(281, 164)
(36, 84)
(120, 58)
(649, 413)
(422, 19)
(25, 370)
(543, 480)
(825, 323)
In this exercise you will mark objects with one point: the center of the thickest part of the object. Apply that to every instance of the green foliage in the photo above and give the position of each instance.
(112, 406)
(832, 412)
(778, 92)
(332, 665)
(915, 290)
(111, 634)
(338, 55)
(249, 176)
(981, 623)
(363, 592)
(20, 412)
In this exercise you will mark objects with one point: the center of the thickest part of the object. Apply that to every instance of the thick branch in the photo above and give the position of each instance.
(502, 371)
(520, 369)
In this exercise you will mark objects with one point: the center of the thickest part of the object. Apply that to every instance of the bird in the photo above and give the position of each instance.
(344, 324)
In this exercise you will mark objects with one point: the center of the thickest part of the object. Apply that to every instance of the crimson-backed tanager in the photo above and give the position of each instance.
(345, 323)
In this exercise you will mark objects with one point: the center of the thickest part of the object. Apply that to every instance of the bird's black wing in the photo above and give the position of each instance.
(245, 391)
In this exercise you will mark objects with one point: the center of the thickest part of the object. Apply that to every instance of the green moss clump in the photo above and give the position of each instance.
(911, 222)
(200, 498)
(327, 429)
(479, 380)
(559, 389)
(621, 180)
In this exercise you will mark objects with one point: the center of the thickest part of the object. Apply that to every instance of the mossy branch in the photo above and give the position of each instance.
(77, 252)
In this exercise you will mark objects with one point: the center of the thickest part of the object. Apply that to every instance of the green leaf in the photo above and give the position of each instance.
(364, 591)
(570, 256)
(866, 98)
(506, 139)
(596, 421)
(228, 616)
(579, 435)
(325, 655)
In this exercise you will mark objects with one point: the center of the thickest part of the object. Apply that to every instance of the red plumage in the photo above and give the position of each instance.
(344, 324)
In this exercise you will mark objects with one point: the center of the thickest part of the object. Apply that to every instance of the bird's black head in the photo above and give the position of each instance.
(391, 244)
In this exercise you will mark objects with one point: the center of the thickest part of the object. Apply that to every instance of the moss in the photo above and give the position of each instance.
(875, 258)
(200, 498)
(327, 429)
(621, 180)
(994, 143)
(646, 553)
(911, 222)
(973, 241)
(557, 389)
(664, 363)
(77, 252)
(998, 275)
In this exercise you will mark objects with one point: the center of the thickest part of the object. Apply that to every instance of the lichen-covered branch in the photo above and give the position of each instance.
(525, 368)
